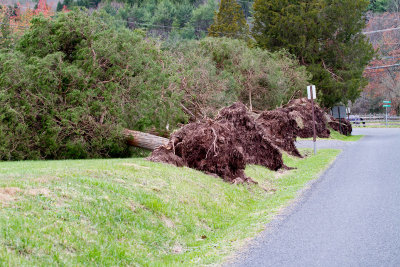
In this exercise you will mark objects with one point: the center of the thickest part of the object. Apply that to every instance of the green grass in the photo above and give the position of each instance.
(134, 212)
(335, 135)
(377, 125)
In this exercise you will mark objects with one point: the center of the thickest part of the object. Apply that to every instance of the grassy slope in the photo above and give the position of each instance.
(130, 211)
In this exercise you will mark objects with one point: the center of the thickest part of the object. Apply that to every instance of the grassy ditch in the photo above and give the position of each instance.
(135, 212)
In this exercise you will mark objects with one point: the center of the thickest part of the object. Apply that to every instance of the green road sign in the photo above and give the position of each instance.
(387, 102)
(386, 106)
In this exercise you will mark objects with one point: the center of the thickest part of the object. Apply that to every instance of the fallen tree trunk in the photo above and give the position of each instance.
(144, 140)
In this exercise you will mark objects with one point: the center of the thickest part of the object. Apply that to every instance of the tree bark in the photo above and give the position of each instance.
(144, 140)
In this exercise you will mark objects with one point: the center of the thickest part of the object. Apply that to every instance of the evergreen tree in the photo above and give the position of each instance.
(5, 29)
(229, 21)
(379, 5)
(246, 7)
(325, 35)
(59, 7)
(203, 17)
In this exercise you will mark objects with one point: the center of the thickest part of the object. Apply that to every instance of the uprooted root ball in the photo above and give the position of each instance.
(342, 126)
(257, 148)
(208, 146)
(301, 111)
(281, 129)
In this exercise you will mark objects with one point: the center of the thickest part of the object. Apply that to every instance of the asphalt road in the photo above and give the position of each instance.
(350, 217)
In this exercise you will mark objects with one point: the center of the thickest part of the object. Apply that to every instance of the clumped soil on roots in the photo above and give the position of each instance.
(222, 146)
(257, 148)
(342, 126)
(281, 129)
(301, 111)
(208, 146)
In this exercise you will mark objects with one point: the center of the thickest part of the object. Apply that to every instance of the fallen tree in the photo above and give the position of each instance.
(222, 146)
(143, 140)
(69, 98)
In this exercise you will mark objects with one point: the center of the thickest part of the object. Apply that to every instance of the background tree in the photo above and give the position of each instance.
(5, 29)
(325, 35)
(384, 83)
(171, 20)
(203, 17)
(229, 21)
(378, 5)
(247, 7)
(393, 5)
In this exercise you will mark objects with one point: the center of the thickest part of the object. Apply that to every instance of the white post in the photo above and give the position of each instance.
(312, 94)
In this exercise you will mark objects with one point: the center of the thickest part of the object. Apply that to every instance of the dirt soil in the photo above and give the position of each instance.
(257, 147)
(281, 129)
(9, 194)
(342, 126)
(301, 111)
(208, 146)
(221, 147)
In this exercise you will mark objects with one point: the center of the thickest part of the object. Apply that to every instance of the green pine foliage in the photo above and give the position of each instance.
(168, 19)
(72, 84)
(5, 30)
(229, 21)
(77, 3)
(380, 5)
(216, 72)
(325, 35)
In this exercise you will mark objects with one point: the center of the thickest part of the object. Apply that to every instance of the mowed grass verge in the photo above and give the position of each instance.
(351, 138)
(335, 135)
(378, 125)
(135, 212)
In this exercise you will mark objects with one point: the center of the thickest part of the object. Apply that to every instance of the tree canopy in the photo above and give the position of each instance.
(229, 21)
(378, 5)
(325, 35)
(177, 20)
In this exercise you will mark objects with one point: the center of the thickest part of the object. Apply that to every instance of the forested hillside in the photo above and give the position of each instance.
(378, 6)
